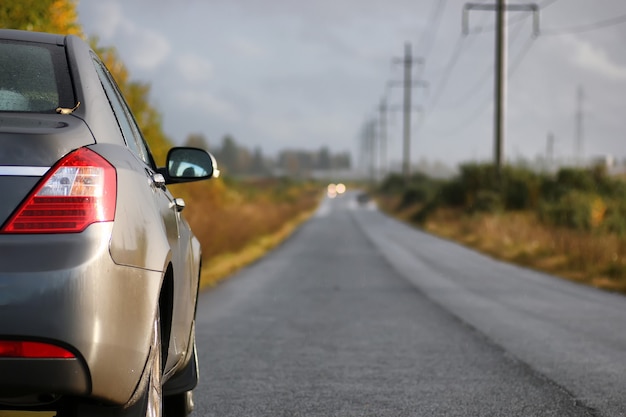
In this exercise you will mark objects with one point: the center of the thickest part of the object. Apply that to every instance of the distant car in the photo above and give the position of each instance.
(99, 271)
(363, 198)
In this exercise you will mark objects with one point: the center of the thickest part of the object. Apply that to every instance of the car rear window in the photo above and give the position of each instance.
(33, 77)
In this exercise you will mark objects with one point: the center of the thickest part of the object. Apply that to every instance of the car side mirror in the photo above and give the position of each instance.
(185, 164)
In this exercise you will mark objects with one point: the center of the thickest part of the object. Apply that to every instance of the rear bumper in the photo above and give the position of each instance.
(66, 289)
(34, 377)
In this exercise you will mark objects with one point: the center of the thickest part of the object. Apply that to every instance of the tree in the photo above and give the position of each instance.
(197, 140)
(324, 160)
(229, 153)
(55, 16)
(258, 165)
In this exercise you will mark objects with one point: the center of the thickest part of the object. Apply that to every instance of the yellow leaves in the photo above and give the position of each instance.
(597, 212)
(64, 17)
(54, 16)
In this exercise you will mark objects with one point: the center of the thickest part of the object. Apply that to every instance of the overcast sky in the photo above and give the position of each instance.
(306, 74)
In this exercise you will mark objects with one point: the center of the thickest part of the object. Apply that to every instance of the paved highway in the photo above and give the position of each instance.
(360, 315)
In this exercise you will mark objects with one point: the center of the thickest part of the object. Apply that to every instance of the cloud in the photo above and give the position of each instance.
(148, 49)
(595, 59)
(110, 19)
(194, 68)
(247, 48)
(142, 48)
(205, 103)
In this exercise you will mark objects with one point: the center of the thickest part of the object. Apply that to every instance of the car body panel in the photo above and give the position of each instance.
(95, 292)
(57, 299)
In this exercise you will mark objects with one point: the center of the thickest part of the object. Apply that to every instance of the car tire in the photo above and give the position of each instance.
(179, 405)
(154, 390)
(150, 402)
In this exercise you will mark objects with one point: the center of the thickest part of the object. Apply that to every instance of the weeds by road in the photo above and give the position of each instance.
(570, 224)
(239, 221)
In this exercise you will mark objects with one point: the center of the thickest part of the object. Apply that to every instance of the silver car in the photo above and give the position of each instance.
(99, 271)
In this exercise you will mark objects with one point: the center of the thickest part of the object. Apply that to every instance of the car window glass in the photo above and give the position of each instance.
(127, 124)
(33, 77)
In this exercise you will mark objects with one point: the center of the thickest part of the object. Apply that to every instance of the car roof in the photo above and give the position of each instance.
(21, 35)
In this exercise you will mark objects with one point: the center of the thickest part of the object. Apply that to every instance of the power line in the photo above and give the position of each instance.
(488, 100)
(454, 58)
(486, 74)
(617, 20)
(520, 57)
(435, 22)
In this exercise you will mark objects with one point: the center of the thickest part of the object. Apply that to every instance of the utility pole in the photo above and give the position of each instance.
(382, 136)
(408, 84)
(578, 142)
(371, 144)
(500, 7)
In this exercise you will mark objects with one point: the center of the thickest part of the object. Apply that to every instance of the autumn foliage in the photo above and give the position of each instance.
(55, 16)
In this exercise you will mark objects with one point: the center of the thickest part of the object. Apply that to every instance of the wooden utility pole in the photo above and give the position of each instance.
(408, 84)
(499, 122)
(382, 136)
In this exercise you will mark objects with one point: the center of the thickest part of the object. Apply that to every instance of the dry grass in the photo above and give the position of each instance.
(225, 264)
(595, 259)
(238, 224)
(519, 237)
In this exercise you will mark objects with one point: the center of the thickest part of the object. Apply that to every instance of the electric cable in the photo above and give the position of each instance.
(603, 24)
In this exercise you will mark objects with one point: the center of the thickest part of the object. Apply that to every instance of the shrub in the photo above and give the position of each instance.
(576, 210)
(452, 193)
(487, 201)
(393, 184)
(576, 179)
(615, 217)
(415, 194)
(520, 188)
(422, 214)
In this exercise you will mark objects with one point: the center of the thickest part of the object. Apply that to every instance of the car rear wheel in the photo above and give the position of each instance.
(179, 405)
(154, 394)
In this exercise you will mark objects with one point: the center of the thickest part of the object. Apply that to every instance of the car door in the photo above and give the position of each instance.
(174, 227)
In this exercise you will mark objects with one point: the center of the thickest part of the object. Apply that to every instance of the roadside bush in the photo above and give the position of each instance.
(551, 190)
(427, 209)
(520, 188)
(576, 210)
(393, 184)
(415, 194)
(615, 218)
(487, 201)
(452, 193)
(476, 177)
(576, 179)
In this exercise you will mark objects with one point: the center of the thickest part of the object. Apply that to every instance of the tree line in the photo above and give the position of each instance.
(238, 160)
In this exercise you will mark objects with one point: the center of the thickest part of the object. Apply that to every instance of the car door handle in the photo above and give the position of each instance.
(158, 180)
(178, 203)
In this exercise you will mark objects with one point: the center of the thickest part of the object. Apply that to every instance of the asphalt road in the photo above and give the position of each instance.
(360, 315)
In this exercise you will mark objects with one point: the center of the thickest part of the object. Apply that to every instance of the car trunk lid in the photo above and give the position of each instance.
(31, 144)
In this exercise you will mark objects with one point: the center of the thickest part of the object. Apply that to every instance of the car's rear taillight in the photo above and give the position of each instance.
(22, 349)
(78, 191)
